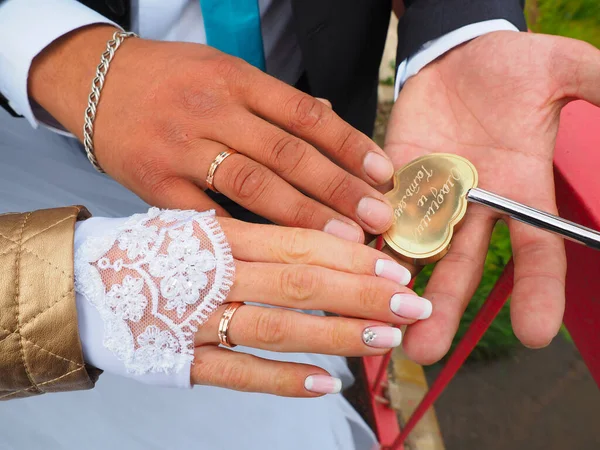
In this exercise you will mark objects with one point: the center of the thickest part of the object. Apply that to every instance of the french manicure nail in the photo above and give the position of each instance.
(391, 270)
(374, 213)
(344, 230)
(382, 337)
(411, 306)
(378, 167)
(323, 384)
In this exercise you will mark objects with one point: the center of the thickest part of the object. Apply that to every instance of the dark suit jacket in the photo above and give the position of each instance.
(342, 41)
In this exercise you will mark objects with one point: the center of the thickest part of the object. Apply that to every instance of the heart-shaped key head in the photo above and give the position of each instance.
(429, 201)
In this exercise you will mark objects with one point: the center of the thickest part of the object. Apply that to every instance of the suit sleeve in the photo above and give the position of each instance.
(426, 20)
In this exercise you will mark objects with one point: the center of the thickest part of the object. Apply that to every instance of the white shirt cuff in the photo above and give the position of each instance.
(91, 325)
(26, 28)
(436, 48)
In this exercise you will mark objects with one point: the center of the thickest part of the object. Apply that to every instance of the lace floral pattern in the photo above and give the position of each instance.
(183, 269)
(154, 280)
(126, 300)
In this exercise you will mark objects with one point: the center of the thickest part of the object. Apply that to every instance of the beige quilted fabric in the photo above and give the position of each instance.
(39, 342)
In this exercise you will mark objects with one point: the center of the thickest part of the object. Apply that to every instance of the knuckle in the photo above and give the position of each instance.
(337, 187)
(546, 277)
(298, 284)
(227, 68)
(538, 248)
(248, 182)
(284, 380)
(302, 213)
(551, 256)
(466, 259)
(235, 375)
(212, 87)
(339, 338)
(306, 113)
(371, 296)
(360, 261)
(271, 328)
(229, 75)
(295, 246)
(287, 153)
(351, 143)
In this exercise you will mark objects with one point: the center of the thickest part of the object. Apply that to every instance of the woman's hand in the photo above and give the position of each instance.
(161, 282)
(310, 270)
(168, 109)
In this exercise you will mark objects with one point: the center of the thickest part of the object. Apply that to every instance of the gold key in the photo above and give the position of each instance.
(430, 198)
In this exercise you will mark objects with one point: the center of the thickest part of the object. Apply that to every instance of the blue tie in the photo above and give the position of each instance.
(233, 26)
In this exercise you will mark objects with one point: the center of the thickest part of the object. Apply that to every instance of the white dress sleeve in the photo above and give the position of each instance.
(144, 285)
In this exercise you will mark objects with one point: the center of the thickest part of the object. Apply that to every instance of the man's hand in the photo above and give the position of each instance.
(496, 101)
(168, 109)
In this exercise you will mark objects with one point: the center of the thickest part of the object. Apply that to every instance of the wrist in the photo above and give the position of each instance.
(61, 75)
(448, 43)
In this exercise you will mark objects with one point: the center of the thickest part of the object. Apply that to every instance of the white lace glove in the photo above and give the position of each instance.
(145, 284)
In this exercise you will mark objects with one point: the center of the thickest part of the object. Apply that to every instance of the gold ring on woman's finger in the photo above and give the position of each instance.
(225, 321)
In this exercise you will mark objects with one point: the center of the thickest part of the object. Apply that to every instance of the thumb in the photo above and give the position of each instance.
(579, 70)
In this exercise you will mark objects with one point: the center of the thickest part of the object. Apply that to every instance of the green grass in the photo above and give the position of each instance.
(579, 19)
(389, 81)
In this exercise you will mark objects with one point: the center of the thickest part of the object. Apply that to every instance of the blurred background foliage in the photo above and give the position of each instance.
(579, 19)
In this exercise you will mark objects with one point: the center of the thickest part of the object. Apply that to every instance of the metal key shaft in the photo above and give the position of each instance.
(536, 218)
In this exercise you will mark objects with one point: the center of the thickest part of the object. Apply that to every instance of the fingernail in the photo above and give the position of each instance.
(374, 213)
(343, 230)
(391, 270)
(324, 100)
(378, 167)
(323, 384)
(382, 337)
(411, 306)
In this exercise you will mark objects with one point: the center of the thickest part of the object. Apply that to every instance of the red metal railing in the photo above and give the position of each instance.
(577, 166)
